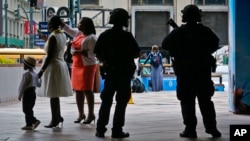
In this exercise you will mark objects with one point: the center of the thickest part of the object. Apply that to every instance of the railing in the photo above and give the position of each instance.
(169, 73)
(168, 70)
(19, 54)
(10, 74)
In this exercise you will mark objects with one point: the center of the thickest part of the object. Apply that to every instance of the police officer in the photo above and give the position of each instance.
(117, 49)
(191, 46)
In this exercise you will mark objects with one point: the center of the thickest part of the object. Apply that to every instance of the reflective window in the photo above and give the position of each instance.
(199, 2)
(89, 2)
(135, 2)
(169, 2)
(211, 2)
(152, 2)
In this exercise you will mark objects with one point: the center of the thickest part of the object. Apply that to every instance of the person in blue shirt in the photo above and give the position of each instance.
(155, 58)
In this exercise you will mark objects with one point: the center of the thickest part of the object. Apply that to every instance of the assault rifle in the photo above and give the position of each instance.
(172, 23)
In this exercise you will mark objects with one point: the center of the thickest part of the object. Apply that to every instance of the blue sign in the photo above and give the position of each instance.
(43, 33)
(43, 25)
(36, 36)
(40, 43)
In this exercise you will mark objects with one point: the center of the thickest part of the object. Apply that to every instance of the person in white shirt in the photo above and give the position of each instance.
(27, 92)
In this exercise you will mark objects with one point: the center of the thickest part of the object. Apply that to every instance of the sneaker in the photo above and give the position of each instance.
(36, 123)
(120, 135)
(27, 128)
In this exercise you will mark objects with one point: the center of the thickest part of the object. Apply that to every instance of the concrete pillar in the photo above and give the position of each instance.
(239, 54)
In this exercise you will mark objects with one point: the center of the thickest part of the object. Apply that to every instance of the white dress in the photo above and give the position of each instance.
(56, 76)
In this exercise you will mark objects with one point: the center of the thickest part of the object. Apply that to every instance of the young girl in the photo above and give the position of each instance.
(27, 92)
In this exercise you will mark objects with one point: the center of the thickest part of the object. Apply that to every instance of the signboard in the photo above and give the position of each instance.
(63, 12)
(51, 10)
(40, 43)
(44, 33)
(43, 25)
(27, 27)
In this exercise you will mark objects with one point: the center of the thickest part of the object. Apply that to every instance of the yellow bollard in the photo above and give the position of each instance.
(131, 101)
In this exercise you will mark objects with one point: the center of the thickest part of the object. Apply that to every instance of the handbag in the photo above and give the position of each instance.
(67, 54)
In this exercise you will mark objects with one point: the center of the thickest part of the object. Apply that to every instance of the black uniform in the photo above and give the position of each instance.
(117, 49)
(191, 46)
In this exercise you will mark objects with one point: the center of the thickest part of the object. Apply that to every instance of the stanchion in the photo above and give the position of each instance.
(131, 101)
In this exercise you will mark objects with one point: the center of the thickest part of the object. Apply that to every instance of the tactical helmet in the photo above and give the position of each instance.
(119, 16)
(191, 13)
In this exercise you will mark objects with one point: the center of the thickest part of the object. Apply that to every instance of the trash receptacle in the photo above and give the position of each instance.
(225, 59)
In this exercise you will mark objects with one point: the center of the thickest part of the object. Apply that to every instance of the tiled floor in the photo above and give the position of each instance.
(154, 116)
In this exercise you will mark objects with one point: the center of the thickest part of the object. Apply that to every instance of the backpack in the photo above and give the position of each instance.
(137, 86)
(155, 60)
